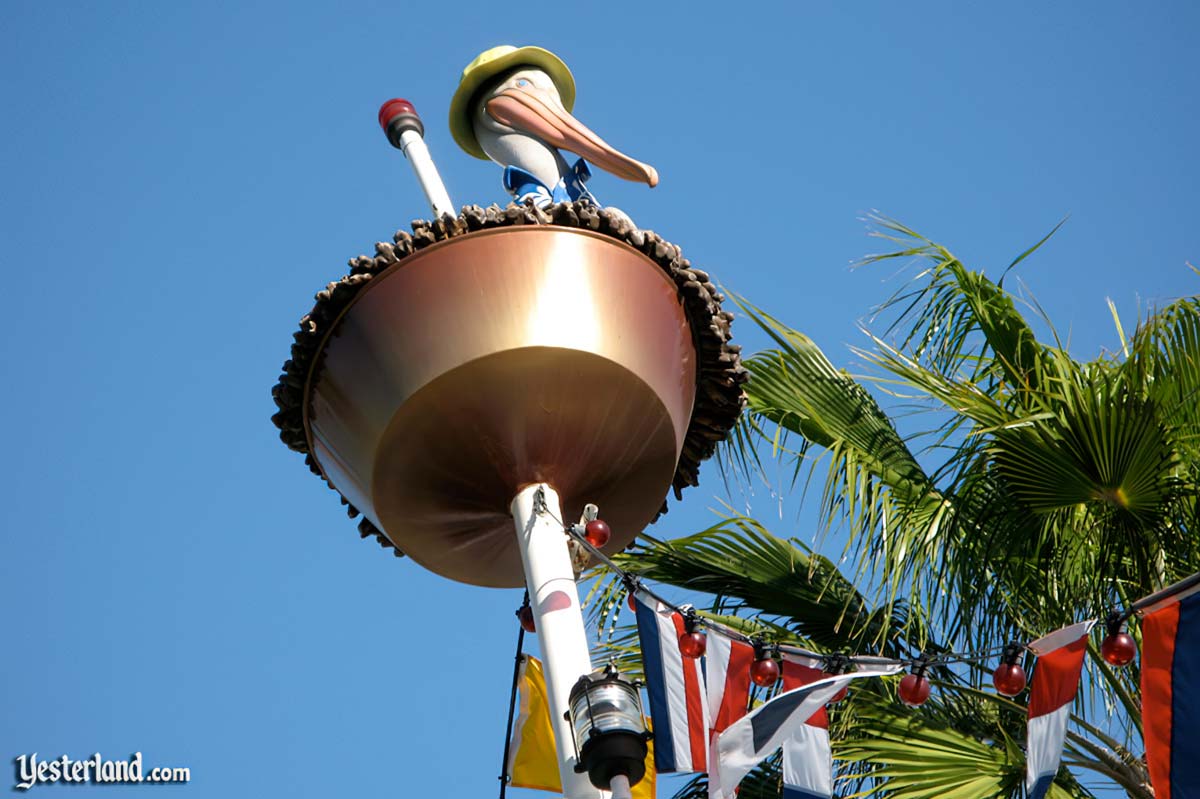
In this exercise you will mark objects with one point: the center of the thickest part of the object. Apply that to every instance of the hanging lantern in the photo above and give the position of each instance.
(914, 687)
(597, 533)
(914, 690)
(1118, 647)
(692, 643)
(1009, 676)
(764, 671)
(525, 616)
(609, 730)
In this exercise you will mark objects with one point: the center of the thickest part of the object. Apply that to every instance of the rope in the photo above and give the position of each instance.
(512, 702)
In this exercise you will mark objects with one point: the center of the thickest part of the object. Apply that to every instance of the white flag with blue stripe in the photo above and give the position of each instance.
(754, 737)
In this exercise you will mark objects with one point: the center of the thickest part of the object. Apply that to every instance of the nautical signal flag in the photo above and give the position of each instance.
(807, 757)
(674, 687)
(727, 679)
(1051, 692)
(1171, 694)
(757, 735)
(533, 757)
(727, 683)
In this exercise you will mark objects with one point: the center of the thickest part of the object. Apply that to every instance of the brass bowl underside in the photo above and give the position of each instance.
(463, 370)
(489, 362)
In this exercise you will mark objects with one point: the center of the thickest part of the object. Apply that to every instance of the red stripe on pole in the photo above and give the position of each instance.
(1158, 656)
(695, 708)
(1056, 678)
(796, 675)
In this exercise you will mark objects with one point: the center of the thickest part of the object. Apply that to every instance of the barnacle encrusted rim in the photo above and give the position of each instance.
(720, 374)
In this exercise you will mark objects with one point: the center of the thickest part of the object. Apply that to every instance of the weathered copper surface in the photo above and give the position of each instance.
(496, 359)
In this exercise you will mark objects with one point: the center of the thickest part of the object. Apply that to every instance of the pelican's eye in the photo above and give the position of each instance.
(523, 83)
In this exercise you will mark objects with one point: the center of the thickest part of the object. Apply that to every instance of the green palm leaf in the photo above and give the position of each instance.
(1044, 489)
(745, 567)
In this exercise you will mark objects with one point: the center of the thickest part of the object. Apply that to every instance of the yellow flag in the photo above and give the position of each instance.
(645, 788)
(533, 758)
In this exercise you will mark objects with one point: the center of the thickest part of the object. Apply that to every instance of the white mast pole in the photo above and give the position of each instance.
(404, 130)
(554, 598)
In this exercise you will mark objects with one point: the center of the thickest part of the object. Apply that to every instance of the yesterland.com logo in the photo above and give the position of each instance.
(30, 771)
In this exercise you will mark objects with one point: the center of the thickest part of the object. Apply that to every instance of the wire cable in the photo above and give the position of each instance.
(636, 586)
(512, 701)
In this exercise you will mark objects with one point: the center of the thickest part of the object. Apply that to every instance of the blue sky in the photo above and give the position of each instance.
(180, 178)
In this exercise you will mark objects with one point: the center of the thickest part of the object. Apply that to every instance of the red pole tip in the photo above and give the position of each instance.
(394, 108)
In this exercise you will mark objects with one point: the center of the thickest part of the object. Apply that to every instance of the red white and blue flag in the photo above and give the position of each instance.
(807, 758)
(760, 733)
(675, 688)
(1052, 690)
(1171, 694)
(727, 682)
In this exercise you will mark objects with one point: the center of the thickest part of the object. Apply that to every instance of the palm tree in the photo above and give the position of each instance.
(1042, 490)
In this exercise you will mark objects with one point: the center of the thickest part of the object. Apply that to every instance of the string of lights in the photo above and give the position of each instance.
(1118, 647)
(636, 586)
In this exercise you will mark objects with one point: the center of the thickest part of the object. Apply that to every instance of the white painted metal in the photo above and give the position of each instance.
(620, 787)
(417, 154)
(560, 631)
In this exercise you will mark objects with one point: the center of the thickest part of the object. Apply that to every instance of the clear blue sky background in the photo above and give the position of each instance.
(179, 178)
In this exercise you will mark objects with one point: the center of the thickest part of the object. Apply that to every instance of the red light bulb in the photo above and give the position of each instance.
(914, 690)
(525, 615)
(692, 645)
(1119, 649)
(597, 533)
(764, 672)
(397, 116)
(631, 598)
(1009, 679)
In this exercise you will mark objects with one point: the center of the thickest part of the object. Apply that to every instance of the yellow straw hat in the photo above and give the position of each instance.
(488, 65)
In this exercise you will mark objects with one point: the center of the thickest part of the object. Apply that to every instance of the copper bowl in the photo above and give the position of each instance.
(490, 361)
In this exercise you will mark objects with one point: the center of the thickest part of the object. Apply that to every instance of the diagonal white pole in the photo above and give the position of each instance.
(405, 131)
(556, 612)
(415, 149)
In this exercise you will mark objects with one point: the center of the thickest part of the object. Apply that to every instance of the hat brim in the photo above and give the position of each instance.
(474, 80)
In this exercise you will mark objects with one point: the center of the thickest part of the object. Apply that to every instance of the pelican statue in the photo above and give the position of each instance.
(513, 106)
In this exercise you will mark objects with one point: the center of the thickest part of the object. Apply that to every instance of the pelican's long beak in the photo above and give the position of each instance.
(537, 112)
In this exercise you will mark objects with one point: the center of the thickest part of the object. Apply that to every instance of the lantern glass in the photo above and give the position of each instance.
(608, 728)
(606, 707)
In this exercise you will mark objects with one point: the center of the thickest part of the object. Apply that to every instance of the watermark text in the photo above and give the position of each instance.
(32, 770)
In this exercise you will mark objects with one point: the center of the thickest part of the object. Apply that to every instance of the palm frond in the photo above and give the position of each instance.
(959, 322)
(1045, 489)
(873, 487)
(746, 568)
(902, 754)
(797, 388)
